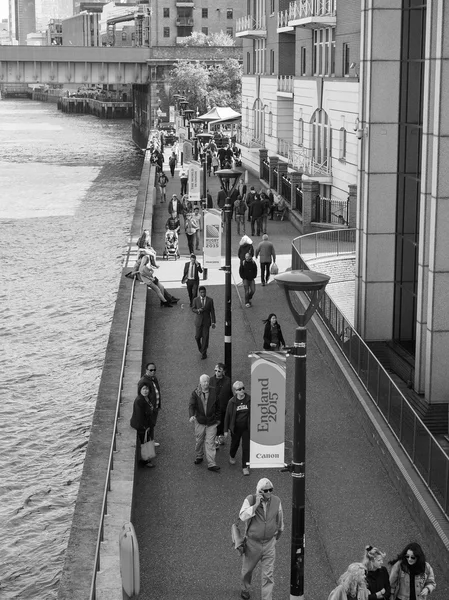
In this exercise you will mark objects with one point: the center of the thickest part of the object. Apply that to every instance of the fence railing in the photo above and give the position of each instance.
(328, 210)
(285, 83)
(251, 23)
(301, 9)
(298, 193)
(427, 456)
(334, 242)
(286, 188)
(275, 179)
(266, 171)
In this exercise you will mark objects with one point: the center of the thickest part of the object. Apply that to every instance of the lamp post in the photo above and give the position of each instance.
(228, 179)
(314, 284)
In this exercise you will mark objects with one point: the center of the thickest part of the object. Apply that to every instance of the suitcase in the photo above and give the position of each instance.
(129, 560)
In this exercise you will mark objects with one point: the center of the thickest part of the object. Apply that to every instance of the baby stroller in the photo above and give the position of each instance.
(171, 251)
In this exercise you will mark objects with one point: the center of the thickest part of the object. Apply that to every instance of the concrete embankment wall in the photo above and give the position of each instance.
(80, 560)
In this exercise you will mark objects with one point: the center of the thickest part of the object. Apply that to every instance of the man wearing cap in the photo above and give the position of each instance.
(191, 277)
(263, 512)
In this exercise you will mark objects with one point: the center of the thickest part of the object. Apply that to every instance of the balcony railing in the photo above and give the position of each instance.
(184, 22)
(283, 18)
(246, 138)
(302, 159)
(425, 453)
(303, 9)
(331, 211)
(252, 24)
(286, 83)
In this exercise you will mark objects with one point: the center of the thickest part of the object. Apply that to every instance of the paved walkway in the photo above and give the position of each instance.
(183, 512)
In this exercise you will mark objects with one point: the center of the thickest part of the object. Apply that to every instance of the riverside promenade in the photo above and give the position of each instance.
(182, 513)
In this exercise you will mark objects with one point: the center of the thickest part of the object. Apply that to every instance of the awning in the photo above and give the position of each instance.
(218, 113)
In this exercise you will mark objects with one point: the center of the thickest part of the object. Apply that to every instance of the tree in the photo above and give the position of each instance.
(225, 84)
(201, 39)
(190, 79)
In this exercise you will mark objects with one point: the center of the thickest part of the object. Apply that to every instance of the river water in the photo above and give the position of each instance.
(68, 186)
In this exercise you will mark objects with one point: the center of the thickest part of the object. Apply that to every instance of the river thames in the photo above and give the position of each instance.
(68, 186)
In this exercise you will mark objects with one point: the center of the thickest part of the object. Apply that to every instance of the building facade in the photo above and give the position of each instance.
(300, 91)
(81, 30)
(22, 19)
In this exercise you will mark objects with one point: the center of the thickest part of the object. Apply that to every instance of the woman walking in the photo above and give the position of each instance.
(272, 335)
(144, 417)
(377, 579)
(237, 422)
(351, 585)
(411, 577)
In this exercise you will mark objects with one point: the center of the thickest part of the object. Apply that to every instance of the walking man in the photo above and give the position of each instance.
(267, 254)
(239, 212)
(222, 385)
(257, 209)
(248, 273)
(191, 277)
(163, 180)
(203, 307)
(237, 422)
(183, 176)
(266, 524)
(204, 412)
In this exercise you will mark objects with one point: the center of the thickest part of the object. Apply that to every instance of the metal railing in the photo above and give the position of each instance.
(266, 171)
(246, 138)
(274, 184)
(301, 9)
(427, 456)
(285, 83)
(286, 188)
(334, 242)
(302, 159)
(250, 23)
(328, 210)
(298, 194)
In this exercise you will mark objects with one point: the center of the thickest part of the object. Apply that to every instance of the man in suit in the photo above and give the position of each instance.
(204, 412)
(203, 307)
(191, 277)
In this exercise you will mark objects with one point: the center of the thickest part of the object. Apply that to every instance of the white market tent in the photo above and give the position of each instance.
(221, 114)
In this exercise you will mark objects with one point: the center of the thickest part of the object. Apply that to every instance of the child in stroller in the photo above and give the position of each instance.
(171, 251)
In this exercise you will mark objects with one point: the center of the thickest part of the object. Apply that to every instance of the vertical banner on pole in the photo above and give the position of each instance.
(212, 239)
(267, 432)
(194, 174)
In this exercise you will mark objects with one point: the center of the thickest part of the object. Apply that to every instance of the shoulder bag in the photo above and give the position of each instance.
(147, 449)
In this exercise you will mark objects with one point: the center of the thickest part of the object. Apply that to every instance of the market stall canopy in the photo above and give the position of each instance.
(220, 114)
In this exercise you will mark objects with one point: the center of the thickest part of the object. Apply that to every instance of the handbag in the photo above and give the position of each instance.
(274, 270)
(147, 449)
(238, 540)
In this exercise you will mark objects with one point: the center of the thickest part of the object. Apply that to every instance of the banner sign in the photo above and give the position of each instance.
(267, 434)
(212, 239)
(194, 173)
(187, 150)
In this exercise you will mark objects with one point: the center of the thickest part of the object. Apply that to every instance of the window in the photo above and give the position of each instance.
(204, 13)
(303, 60)
(259, 121)
(300, 132)
(272, 62)
(321, 138)
(230, 13)
(166, 13)
(346, 60)
(324, 51)
(230, 31)
(270, 123)
(342, 144)
(205, 30)
(259, 56)
(166, 31)
(248, 62)
(123, 35)
(133, 36)
(272, 7)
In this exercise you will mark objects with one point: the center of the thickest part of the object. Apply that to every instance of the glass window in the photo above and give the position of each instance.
(166, 32)
(346, 60)
(248, 62)
(205, 13)
(259, 121)
(272, 62)
(342, 144)
(166, 13)
(123, 35)
(321, 138)
(300, 132)
(303, 60)
(230, 31)
(205, 30)
(324, 51)
(230, 13)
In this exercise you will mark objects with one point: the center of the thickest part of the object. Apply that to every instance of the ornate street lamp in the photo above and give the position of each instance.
(229, 179)
(313, 284)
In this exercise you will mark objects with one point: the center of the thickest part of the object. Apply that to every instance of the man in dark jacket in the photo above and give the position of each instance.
(203, 307)
(248, 273)
(221, 199)
(191, 277)
(222, 385)
(257, 210)
(237, 422)
(249, 199)
(204, 412)
(149, 378)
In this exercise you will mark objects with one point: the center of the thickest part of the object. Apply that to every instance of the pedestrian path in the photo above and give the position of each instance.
(183, 512)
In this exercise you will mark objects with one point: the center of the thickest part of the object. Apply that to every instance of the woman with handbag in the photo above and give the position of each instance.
(144, 419)
(272, 335)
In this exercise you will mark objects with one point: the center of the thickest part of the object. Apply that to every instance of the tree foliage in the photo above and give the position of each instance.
(202, 86)
(201, 39)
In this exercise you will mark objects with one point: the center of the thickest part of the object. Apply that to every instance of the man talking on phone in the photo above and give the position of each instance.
(265, 524)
